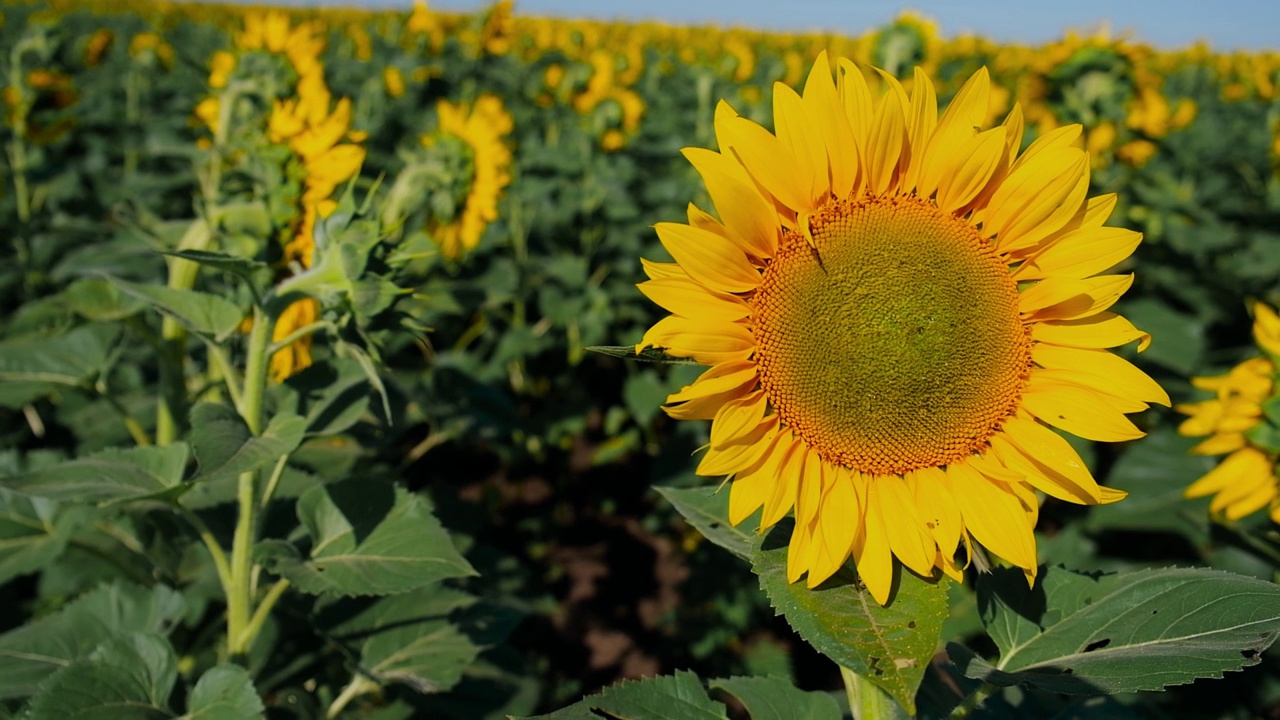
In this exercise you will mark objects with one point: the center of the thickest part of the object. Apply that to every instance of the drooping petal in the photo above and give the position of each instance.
(701, 399)
(994, 515)
(836, 526)
(871, 550)
(1047, 448)
(906, 532)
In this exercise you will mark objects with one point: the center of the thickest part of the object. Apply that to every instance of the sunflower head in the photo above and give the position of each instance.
(898, 308)
(1241, 422)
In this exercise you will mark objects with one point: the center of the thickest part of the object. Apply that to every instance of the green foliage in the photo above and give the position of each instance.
(1143, 630)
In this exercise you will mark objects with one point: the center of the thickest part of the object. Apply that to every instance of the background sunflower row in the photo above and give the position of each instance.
(544, 151)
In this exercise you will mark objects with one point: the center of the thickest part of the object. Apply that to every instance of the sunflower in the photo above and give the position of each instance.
(1245, 481)
(482, 129)
(896, 308)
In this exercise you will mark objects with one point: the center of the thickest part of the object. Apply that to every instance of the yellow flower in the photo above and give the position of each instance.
(1137, 152)
(393, 81)
(423, 22)
(97, 45)
(151, 42)
(483, 129)
(296, 355)
(498, 29)
(1244, 482)
(897, 308)
(221, 65)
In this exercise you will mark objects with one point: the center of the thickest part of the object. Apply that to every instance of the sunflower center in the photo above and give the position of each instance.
(896, 344)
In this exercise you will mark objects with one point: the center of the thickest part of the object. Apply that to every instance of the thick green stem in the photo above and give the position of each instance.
(240, 593)
(359, 685)
(867, 701)
(172, 410)
(974, 701)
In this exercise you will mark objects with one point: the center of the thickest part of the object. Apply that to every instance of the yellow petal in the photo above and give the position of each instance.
(961, 121)
(1101, 370)
(753, 487)
(786, 480)
(750, 218)
(859, 107)
(799, 551)
(980, 158)
(701, 399)
(1050, 452)
(871, 551)
(710, 259)
(797, 130)
(1065, 299)
(737, 418)
(907, 537)
(1220, 444)
(888, 135)
(1266, 328)
(1077, 410)
(687, 298)
(659, 270)
(810, 492)
(1038, 198)
(1081, 253)
(922, 119)
(994, 515)
(834, 532)
(822, 103)
(937, 508)
(770, 161)
(744, 452)
(1104, 330)
(1243, 465)
(705, 342)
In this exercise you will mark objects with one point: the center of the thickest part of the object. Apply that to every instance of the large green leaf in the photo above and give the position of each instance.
(1142, 630)
(111, 474)
(890, 645)
(198, 312)
(332, 396)
(411, 638)
(708, 511)
(225, 448)
(69, 359)
(98, 299)
(33, 532)
(128, 677)
(669, 697)
(32, 652)
(367, 539)
(773, 698)
(224, 692)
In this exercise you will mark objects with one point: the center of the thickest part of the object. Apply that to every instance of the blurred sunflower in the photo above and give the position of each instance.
(482, 129)
(896, 306)
(1244, 482)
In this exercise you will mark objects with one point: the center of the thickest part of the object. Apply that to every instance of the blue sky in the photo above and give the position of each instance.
(1226, 24)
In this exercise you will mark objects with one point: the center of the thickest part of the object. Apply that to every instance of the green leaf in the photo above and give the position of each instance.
(1154, 472)
(114, 474)
(669, 697)
(198, 312)
(708, 511)
(772, 698)
(32, 652)
(890, 645)
(225, 448)
(332, 396)
(33, 532)
(1142, 630)
(628, 352)
(411, 638)
(126, 678)
(367, 540)
(224, 692)
(220, 261)
(97, 299)
(70, 359)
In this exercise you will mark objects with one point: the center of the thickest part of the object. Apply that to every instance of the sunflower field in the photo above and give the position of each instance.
(406, 364)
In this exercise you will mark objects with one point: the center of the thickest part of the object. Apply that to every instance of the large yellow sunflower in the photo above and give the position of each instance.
(897, 307)
(1245, 481)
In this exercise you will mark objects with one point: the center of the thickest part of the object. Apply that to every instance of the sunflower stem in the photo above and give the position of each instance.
(867, 701)
(973, 702)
